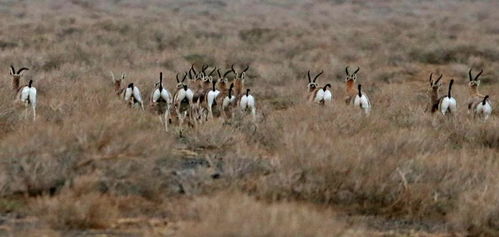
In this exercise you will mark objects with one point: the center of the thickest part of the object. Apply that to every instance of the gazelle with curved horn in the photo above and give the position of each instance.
(316, 94)
(433, 92)
(228, 103)
(362, 101)
(350, 85)
(323, 95)
(239, 80)
(117, 83)
(484, 108)
(476, 99)
(474, 83)
(194, 79)
(222, 83)
(16, 77)
(161, 101)
(211, 99)
(27, 96)
(131, 95)
(183, 100)
(448, 104)
(247, 104)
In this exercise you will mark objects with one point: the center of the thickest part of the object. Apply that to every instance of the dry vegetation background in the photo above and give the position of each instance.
(90, 165)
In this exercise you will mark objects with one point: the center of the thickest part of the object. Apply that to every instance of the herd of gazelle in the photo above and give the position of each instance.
(205, 97)
(199, 99)
(478, 104)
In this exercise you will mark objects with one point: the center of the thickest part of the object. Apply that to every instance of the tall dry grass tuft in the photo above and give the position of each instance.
(68, 211)
(237, 214)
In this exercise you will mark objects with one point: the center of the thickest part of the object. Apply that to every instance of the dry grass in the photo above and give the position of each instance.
(89, 161)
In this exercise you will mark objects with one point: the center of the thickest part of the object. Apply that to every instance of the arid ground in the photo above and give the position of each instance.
(90, 165)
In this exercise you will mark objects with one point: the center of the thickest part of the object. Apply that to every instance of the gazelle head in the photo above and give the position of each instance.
(222, 79)
(242, 74)
(117, 81)
(16, 76)
(312, 84)
(474, 81)
(181, 83)
(239, 76)
(435, 85)
(209, 76)
(193, 75)
(351, 77)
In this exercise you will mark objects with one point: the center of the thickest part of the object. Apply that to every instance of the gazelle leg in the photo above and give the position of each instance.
(34, 113)
(167, 117)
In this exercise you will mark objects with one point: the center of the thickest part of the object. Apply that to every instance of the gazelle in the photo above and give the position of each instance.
(131, 95)
(476, 99)
(239, 80)
(212, 99)
(434, 91)
(448, 104)
(312, 86)
(362, 101)
(117, 83)
(350, 85)
(27, 96)
(16, 77)
(183, 100)
(318, 95)
(474, 83)
(324, 95)
(484, 108)
(161, 101)
(222, 83)
(228, 103)
(247, 103)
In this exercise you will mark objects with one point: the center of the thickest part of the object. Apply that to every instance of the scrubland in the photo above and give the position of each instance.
(90, 165)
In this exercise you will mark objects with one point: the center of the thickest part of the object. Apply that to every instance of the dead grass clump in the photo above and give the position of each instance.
(212, 135)
(68, 211)
(237, 214)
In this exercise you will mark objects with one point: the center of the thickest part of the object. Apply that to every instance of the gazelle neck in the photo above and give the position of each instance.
(351, 87)
(15, 83)
(434, 94)
(474, 91)
(238, 84)
(117, 85)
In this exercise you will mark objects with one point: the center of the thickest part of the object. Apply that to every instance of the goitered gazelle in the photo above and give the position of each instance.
(27, 96)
